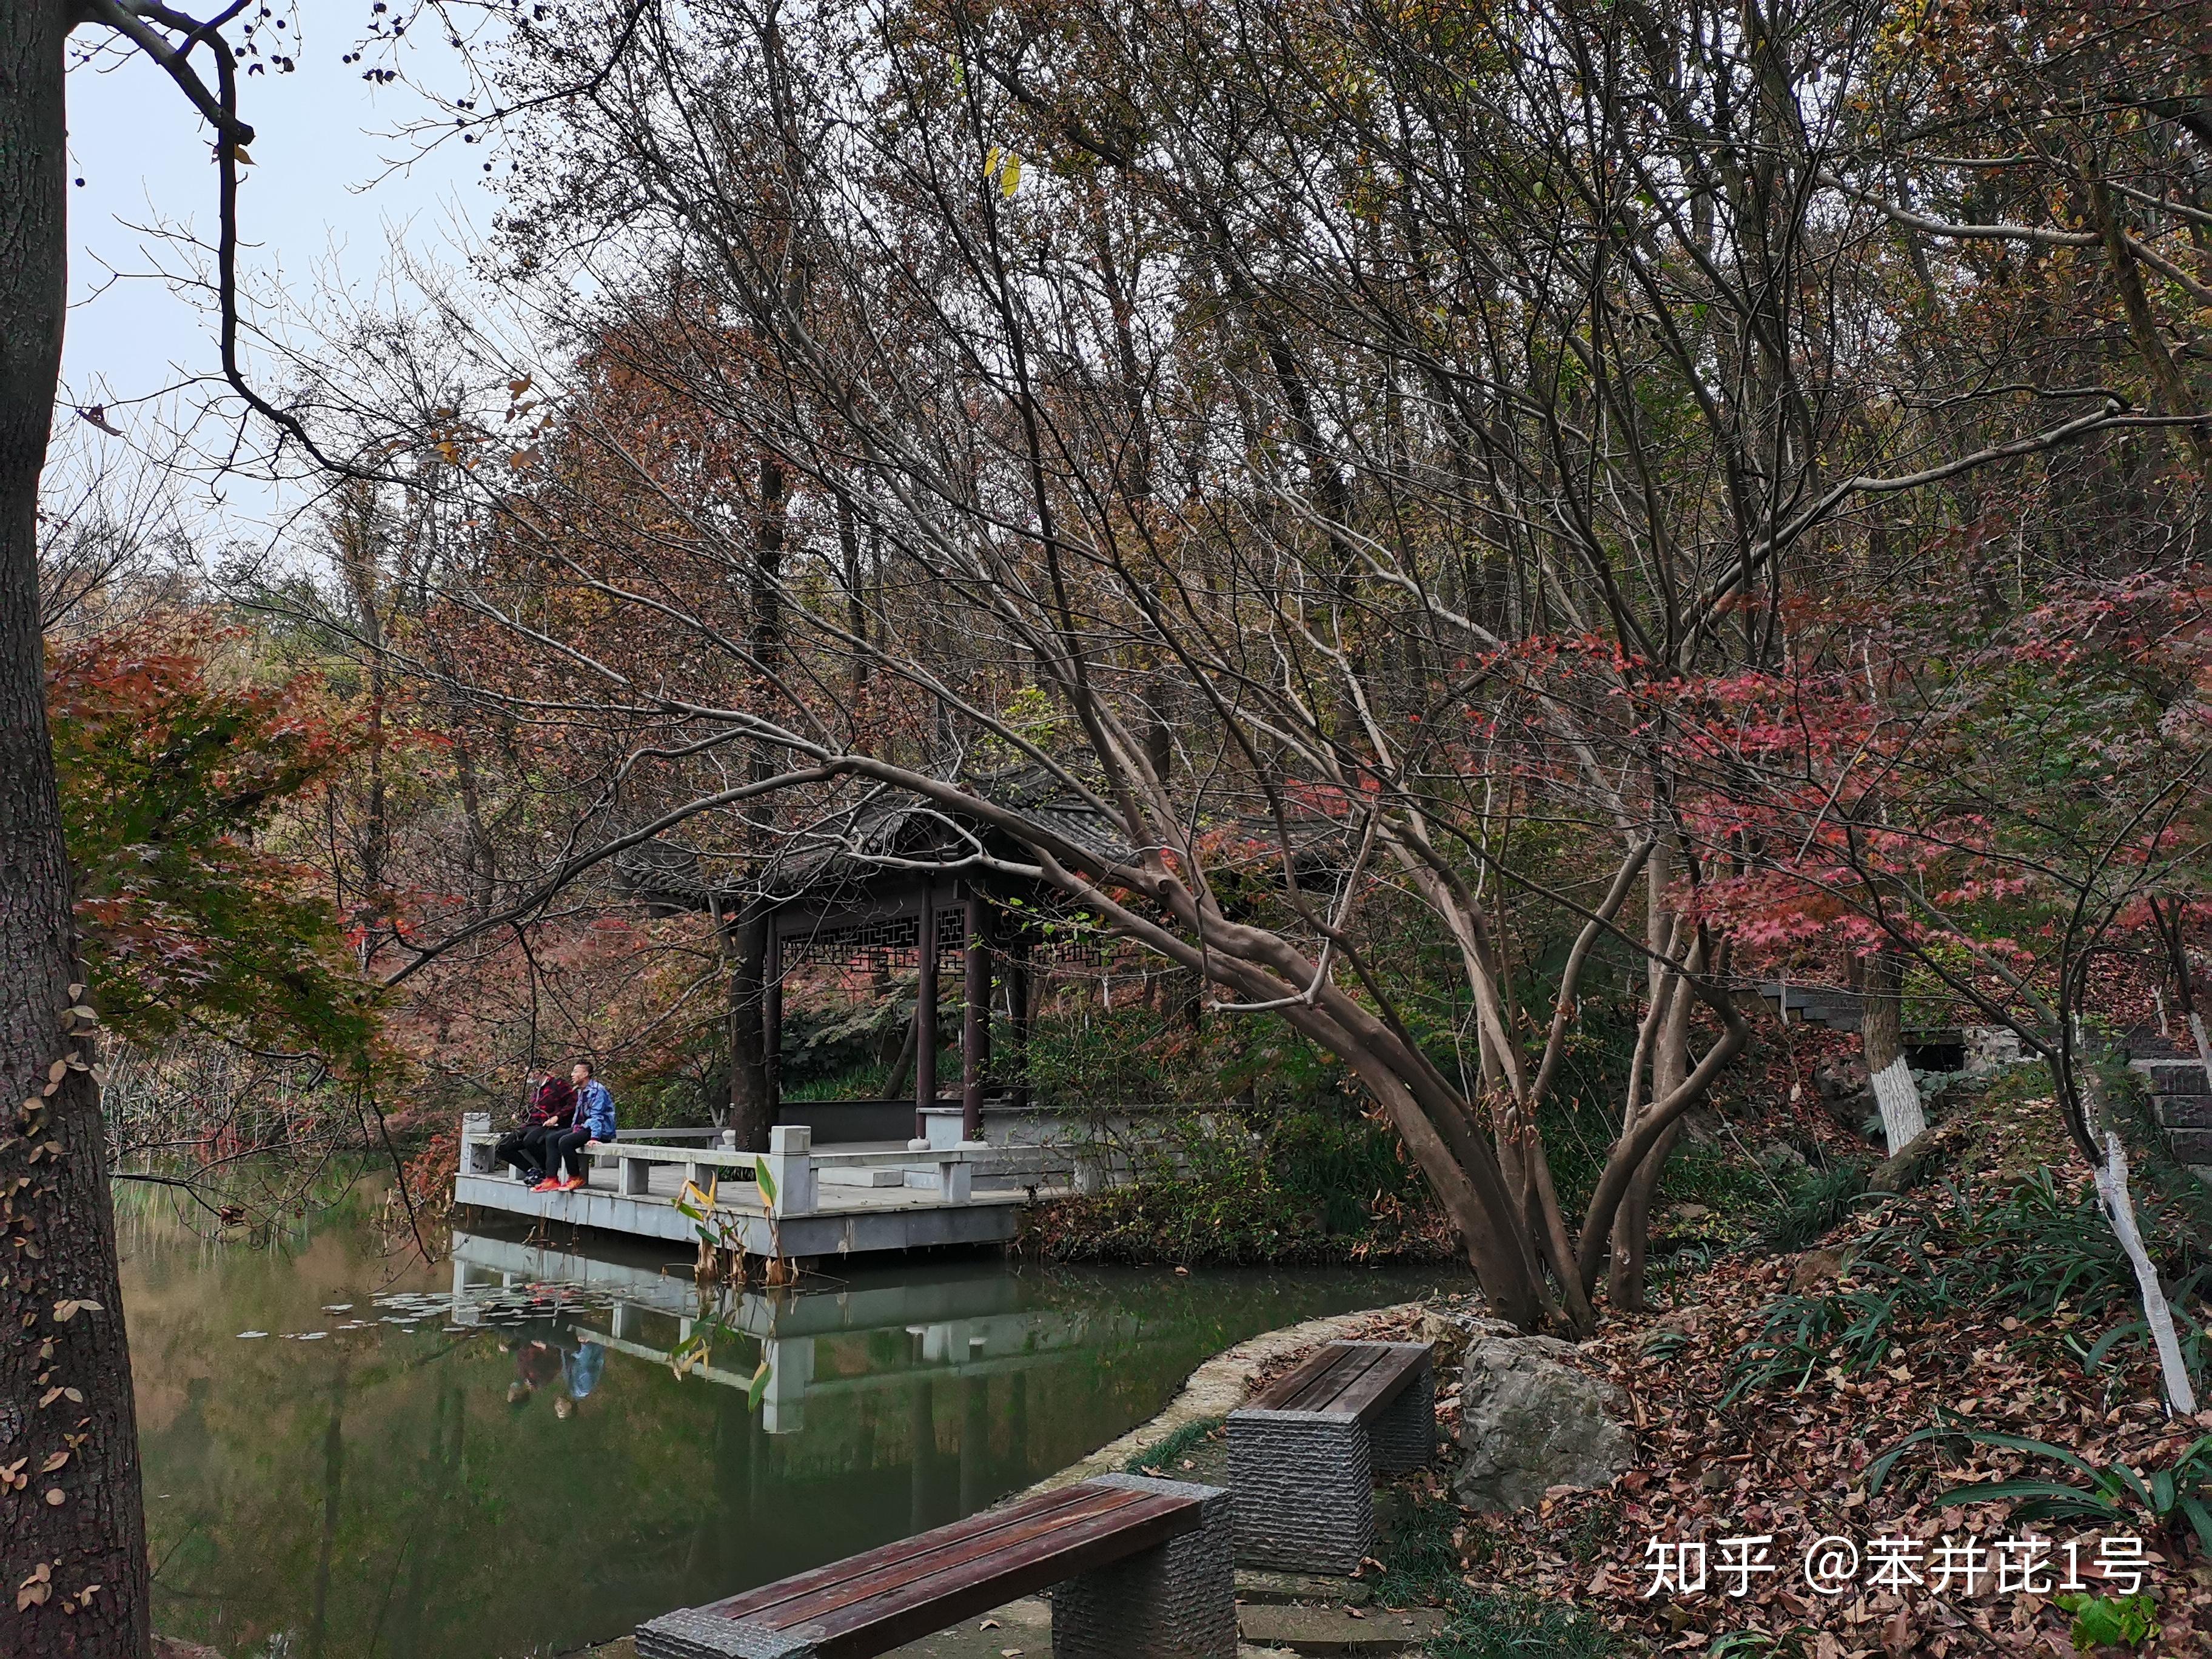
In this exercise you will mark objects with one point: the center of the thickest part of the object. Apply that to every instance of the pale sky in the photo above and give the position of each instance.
(320, 204)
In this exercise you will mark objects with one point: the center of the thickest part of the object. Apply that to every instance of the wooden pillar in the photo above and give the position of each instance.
(925, 1018)
(975, 1019)
(1019, 989)
(772, 1019)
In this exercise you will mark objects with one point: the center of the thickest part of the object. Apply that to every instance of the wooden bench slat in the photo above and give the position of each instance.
(1293, 1381)
(1322, 1394)
(761, 1604)
(948, 1549)
(1351, 1379)
(956, 1593)
(1385, 1380)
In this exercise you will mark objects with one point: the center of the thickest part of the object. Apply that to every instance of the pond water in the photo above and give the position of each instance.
(349, 1456)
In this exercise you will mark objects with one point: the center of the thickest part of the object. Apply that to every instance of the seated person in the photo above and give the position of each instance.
(593, 1124)
(552, 1104)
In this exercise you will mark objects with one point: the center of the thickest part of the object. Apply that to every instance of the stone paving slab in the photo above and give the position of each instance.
(1338, 1630)
(1023, 1630)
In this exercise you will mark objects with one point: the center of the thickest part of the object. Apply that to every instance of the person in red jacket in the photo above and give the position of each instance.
(552, 1107)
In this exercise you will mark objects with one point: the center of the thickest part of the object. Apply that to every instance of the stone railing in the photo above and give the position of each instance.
(796, 1170)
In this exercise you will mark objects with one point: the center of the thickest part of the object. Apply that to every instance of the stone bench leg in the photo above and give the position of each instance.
(1404, 1436)
(1303, 1484)
(1178, 1601)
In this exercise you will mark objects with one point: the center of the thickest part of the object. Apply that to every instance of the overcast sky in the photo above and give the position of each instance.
(320, 204)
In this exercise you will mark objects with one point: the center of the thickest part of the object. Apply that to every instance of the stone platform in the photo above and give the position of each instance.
(841, 1202)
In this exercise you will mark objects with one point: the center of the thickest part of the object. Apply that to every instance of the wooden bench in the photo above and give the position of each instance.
(1304, 1456)
(1142, 1567)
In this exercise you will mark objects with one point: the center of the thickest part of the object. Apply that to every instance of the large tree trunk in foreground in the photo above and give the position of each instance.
(72, 1518)
(1903, 1121)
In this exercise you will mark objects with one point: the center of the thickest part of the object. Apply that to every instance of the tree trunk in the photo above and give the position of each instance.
(746, 939)
(752, 1083)
(1670, 1062)
(1902, 1121)
(73, 1543)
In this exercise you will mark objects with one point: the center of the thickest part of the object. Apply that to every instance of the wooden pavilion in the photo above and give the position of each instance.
(883, 886)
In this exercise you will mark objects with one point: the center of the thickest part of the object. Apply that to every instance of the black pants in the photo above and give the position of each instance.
(566, 1146)
(525, 1149)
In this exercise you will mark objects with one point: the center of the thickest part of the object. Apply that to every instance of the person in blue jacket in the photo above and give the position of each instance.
(594, 1121)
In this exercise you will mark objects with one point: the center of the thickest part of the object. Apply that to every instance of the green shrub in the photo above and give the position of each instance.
(1421, 1566)
(1816, 1202)
(1165, 1456)
(2041, 1250)
(1299, 1186)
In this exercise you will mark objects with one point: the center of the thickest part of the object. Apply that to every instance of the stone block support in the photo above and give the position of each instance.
(1176, 1602)
(1302, 1481)
(1404, 1436)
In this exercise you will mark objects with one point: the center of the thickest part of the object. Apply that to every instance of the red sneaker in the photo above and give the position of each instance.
(573, 1182)
(548, 1185)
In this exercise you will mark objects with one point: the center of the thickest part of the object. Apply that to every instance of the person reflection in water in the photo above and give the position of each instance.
(537, 1362)
(580, 1375)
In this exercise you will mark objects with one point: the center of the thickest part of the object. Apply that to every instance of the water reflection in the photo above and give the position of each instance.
(960, 1324)
(500, 1459)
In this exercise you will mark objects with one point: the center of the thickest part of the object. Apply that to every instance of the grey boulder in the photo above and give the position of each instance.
(1528, 1423)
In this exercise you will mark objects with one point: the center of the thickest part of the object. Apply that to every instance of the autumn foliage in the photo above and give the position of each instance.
(174, 764)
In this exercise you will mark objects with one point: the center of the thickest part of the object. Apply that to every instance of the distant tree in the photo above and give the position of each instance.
(171, 768)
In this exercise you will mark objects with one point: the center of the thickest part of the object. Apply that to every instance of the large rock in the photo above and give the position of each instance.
(1528, 1422)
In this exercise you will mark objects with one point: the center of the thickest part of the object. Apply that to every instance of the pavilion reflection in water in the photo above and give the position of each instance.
(961, 1324)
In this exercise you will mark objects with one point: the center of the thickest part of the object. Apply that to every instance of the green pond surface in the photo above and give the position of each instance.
(349, 1453)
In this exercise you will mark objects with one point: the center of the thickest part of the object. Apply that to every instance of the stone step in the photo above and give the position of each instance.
(2184, 1111)
(1338, 1630)
(2172, 1077)
(2192, 1146)
(1262, 1587)
(831, 1175)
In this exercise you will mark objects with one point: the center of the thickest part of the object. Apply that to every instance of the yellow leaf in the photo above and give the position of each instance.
(1010, 176)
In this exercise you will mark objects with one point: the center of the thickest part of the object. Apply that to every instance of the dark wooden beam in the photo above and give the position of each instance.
(975, 1017)
(925, 1021)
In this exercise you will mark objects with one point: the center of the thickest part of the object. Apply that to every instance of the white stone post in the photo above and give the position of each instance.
(790, 1374)
(790, 1163)
(955, 1175)
(465, 1312)
(477, 1155)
